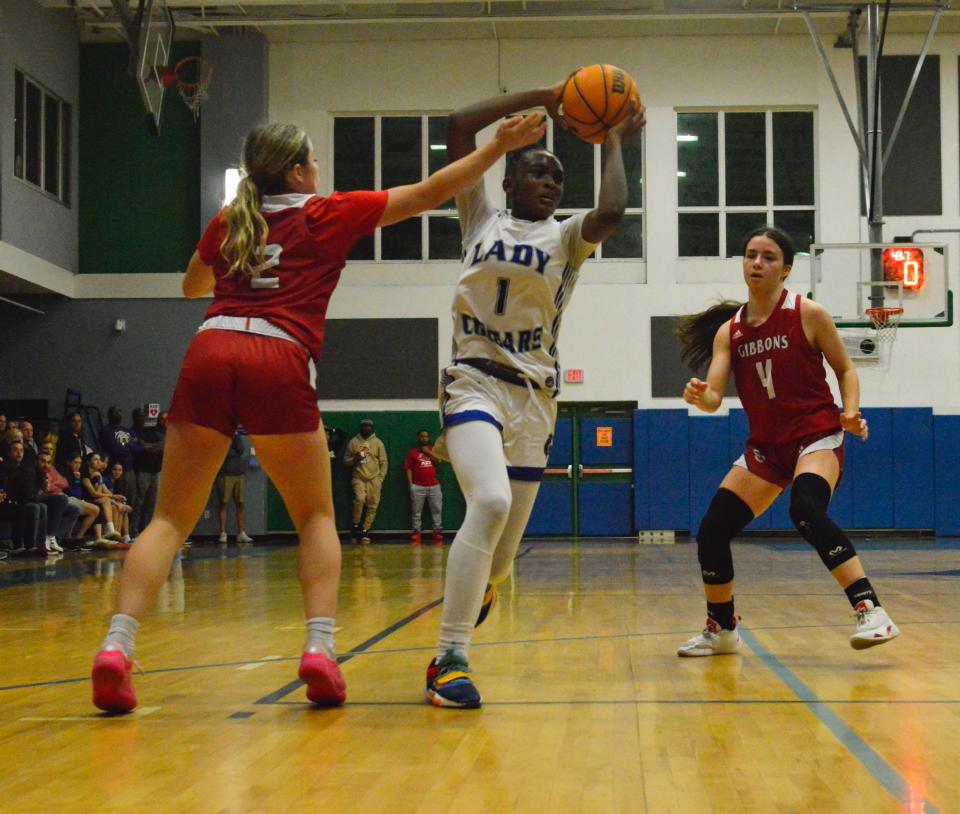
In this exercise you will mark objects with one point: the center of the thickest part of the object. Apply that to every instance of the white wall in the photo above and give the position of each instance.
(606, 329)
(38, 233)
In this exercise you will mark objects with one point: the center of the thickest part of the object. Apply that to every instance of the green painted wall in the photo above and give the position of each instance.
(139, 196)
(398, 431)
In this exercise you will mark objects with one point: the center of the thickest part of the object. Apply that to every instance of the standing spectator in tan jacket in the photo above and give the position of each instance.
(367, 456)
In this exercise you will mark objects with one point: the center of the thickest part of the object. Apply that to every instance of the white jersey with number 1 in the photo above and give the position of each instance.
(517, 278)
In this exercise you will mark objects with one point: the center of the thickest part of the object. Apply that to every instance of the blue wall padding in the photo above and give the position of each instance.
(605, 509)
(914, 495)
(667, 469)
(870, 470)
(709, 462)
(946, 432)
(620, 454)
(641, 475)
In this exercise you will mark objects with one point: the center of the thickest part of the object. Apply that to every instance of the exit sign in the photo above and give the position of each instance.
(573, 376)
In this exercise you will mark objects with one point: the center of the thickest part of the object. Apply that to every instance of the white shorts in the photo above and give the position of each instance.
(524, 415)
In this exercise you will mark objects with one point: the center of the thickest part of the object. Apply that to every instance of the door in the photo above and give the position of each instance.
(587, 489)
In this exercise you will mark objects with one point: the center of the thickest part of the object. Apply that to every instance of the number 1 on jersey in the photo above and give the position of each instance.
(503, 284)
(765, 371)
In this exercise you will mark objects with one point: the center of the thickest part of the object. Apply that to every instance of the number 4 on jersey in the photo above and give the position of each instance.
(765, 371)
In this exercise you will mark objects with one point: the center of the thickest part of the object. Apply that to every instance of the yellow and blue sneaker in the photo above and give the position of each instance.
(489, 600)
(449, 684)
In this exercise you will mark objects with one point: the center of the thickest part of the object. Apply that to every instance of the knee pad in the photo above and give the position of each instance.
(724, 520)
(809, 499)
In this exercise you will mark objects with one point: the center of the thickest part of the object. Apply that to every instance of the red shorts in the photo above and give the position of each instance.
(777, 463)
(231, 377)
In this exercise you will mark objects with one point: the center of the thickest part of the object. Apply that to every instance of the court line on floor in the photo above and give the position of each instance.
(286, 689)
(290, 687)
(716, 702)
(885, 774)
(429, 648)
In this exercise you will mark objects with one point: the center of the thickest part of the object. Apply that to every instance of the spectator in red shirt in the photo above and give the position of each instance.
(421, 468)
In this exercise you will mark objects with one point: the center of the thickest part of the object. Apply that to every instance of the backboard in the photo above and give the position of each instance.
(848, 278)
(155, 40)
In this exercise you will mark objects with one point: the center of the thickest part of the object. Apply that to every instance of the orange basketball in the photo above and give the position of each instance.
(595, 99)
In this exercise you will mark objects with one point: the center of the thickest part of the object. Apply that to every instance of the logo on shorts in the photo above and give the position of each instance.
(757, 456)
(547, 445)
(834, 551)
(549, 381)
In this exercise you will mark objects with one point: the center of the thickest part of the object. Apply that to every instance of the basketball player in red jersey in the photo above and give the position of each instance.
(775, 345)
(272, 258)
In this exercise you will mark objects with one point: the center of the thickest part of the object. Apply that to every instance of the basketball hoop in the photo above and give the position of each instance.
(885, 321)
(192, 77)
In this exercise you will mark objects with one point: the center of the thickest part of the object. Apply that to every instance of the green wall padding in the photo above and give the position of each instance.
(398, 431)
(139, 196)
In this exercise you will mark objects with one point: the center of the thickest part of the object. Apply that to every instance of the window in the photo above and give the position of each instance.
(41, 138)
(379, 152)
(739, 170)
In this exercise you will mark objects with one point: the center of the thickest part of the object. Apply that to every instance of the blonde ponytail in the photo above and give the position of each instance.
(268, 153)
(246, 230)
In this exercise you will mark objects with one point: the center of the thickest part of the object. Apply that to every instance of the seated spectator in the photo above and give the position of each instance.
(122, 503)
(10, 436)
(61, 514)
(93, 490)
(20, 485)
(74, 478)
(19, 518)
(71, 443)
(75, 524)
(3, 423)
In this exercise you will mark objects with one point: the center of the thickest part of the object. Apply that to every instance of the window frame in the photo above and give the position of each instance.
(721, 208)
(63, 152)
(499, 202)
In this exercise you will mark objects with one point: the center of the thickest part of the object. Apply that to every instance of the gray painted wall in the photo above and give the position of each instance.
(43, 44)
(238, 102)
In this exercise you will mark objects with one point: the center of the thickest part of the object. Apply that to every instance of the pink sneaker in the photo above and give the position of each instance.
(112, 686)
(325, 684)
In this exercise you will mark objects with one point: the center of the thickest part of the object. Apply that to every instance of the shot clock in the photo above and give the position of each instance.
(904, 264)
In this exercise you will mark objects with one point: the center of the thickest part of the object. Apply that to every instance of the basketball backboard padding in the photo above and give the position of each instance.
(848, 278)
(157, 28)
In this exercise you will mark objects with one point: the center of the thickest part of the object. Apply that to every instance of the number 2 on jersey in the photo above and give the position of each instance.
(503, 285)
(765, 371)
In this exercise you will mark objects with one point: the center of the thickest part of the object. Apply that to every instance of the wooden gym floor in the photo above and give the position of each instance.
(588, 709)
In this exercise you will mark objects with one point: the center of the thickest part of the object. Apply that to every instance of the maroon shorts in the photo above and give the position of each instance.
(777, 463)
(231, 377)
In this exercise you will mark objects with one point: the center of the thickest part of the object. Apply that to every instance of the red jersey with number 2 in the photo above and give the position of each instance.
(780, 377)
(307, 247)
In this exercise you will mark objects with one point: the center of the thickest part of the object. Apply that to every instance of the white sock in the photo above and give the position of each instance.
(110, 528)
(476, 451)
(320, 636)
(122, 632)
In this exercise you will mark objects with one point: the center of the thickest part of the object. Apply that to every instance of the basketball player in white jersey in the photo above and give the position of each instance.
(498, 395)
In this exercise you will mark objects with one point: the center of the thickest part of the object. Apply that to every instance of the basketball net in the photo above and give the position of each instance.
(885, 323)
(192, 77)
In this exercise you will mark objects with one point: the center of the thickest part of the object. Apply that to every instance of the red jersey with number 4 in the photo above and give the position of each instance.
(780, 377)
(421, 467)
(307, 247)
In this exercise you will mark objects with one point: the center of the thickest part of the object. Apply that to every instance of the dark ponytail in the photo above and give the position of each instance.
(697, 331)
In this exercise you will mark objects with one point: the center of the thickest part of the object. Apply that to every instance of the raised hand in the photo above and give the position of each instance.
(694, 390)
(630, 127)
(855, 424)
(519, 131)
